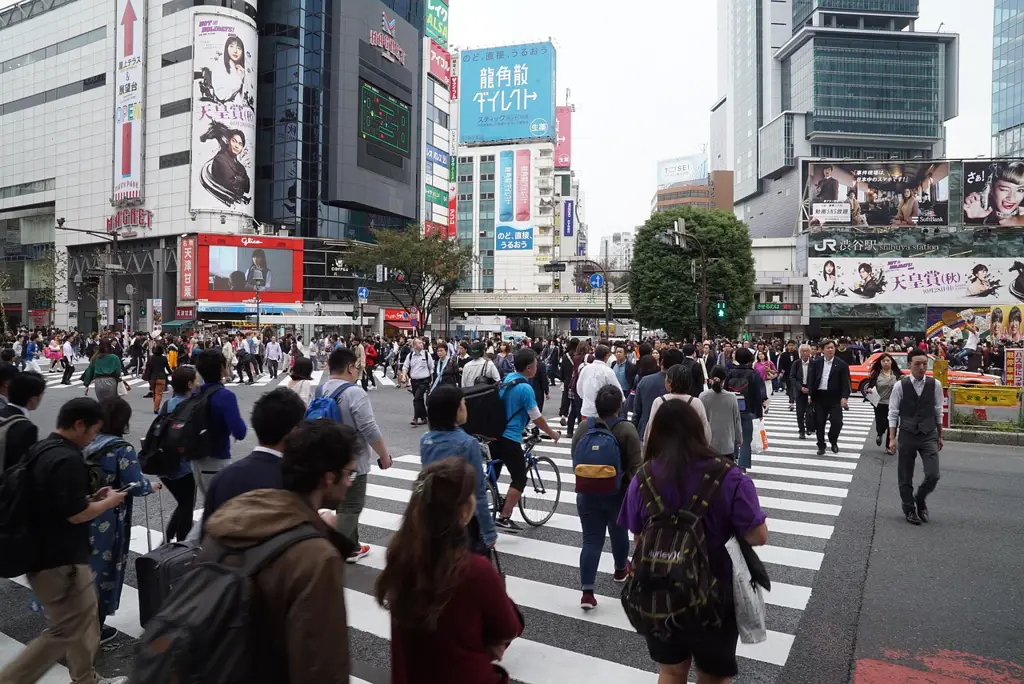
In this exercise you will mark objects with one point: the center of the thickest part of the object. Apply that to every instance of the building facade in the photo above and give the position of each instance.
(1007, 78)
(714, 191)
(201, 130)
(617, 250)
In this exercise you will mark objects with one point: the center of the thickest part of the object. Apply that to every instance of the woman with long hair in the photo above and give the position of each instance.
(764, 367)
(301, 379)
(450, 615)
(677, 458)
(258, 266)
(884, 376)
(680, 386)
(104, 372)
(723, 412)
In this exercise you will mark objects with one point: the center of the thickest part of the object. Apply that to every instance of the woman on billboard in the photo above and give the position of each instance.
(258, 266)
(999, 201)
(224, 176)
(224, 82)
(979, 284)
(906, 213)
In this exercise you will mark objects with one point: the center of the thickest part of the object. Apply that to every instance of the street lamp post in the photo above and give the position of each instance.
(257, 280)
(607, 285)
(112, 268)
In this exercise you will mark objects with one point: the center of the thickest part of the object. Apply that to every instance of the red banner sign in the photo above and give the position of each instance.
(453, 88)
(184, 313)
(187, 264)
(130, 218)
(396, 315)
(433, 228)
(451, 215)
(232, 268)
(440, 64)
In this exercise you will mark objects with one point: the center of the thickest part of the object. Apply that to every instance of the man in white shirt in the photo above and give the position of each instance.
(68, 359)
(916, 406)
(417, 369)
(273, 356)
(799, 392)
(592, 378)
(479, 366)
(829, 385)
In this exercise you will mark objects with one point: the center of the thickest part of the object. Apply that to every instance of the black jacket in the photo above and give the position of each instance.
(630, 371)
(838, 381)
(21, 435)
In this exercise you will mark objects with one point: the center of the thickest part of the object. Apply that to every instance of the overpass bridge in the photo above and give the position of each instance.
(541, 304)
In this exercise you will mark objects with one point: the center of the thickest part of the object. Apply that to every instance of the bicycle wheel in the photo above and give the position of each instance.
(494, 500)
(543, 490)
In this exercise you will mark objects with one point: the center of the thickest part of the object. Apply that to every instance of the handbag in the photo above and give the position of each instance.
(747, 591)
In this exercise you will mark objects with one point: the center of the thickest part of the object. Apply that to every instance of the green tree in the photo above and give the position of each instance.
(424, 268)
(662, 287)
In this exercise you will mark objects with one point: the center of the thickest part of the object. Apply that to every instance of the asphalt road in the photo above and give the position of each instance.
(835, 528)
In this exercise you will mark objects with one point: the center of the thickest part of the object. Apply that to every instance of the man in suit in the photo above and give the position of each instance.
(829, 385)
(799, 392)
(785, 365)
(17, 433)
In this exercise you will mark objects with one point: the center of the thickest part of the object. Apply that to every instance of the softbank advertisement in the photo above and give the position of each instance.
(514, 231)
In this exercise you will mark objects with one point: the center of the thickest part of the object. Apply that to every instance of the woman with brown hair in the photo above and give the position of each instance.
(450, 615)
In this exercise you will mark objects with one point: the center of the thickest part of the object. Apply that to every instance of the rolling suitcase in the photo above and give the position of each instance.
(159, 571)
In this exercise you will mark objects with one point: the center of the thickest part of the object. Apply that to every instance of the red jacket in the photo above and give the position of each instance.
(479, 615)
(371, 355)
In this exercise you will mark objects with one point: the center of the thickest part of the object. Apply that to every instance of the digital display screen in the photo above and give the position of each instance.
(777, 306)
(384, 119)
(243, 268)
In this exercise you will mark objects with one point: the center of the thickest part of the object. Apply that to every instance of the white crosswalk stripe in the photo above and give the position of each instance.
(802, 493)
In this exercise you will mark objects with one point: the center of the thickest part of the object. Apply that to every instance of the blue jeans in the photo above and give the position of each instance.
(599, 512)
(742, 452)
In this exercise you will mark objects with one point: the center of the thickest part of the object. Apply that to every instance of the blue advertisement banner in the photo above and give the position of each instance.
(506, 187)
(569, 218)
(437, 156)
(508, 238)
(507, 93)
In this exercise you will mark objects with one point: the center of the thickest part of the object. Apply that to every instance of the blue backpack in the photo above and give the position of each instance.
(596, 460)
(326, 407)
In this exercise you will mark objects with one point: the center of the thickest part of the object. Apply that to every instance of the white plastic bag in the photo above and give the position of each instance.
(759, 442)
(872, 396)
(748, 598)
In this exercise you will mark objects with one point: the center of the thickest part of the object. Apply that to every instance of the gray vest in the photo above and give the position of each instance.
(917, 413)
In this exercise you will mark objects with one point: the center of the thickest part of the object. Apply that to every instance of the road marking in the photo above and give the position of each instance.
(802, 474)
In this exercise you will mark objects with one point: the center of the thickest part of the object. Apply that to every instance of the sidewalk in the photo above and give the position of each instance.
(940, 603)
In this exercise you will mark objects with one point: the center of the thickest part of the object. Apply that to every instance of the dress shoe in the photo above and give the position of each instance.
(803, 435)
(878, 440)
(821, 451)
(912, 517)
(835, 448)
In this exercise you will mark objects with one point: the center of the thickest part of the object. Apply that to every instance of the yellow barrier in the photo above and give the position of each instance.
(986, 396)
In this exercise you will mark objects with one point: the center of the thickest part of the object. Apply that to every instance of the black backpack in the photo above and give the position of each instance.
(671, 588)
(5, 426)
(187, 432)
(154, 457)
(485, 409)
(19, 535)
(738, 381)
(202, 632)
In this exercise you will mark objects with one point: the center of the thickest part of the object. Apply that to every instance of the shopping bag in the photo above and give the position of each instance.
(747, 596)
(759, 443)
(872, 396)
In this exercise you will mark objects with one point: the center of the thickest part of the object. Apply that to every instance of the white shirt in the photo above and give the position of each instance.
(591, 379)
(69, 351)
(694, 402)
(826, 371)
(273, 351)
(806, 369)
(478, 368)
(972, 340)
(897, 396)
(417, 365)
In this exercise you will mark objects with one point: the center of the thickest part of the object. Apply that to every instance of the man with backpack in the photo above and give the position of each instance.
(605, 456)
(17, 432)
(350, 405)
(479, 368)
(45, 509)
(743, 380)
(291, 589)
(417, 369)
(651, 387)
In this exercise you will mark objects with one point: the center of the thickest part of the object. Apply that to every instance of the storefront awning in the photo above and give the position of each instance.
(176, 324)
(401, 325)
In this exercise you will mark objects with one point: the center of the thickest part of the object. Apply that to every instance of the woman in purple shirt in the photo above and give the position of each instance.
(680, 455)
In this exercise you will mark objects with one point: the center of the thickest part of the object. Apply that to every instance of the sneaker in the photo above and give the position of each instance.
(113, 680)
(360, 553)
(792, 407)
(587, 601)
(620, 576)
(912, 517)
(107, 634)
(508, 524)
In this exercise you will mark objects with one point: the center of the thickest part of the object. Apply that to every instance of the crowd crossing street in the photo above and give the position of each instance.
(802, 493)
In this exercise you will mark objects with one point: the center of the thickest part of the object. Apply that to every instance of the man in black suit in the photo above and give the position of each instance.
(799, 391)
(829, 385)
(17, 432)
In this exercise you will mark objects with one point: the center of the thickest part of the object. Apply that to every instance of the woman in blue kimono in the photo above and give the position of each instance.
(110, 533)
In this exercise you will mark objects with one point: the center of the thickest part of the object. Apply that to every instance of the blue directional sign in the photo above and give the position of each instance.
(363, 292)
(596, 281)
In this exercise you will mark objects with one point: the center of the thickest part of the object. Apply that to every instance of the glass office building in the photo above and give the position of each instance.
(1008, 78)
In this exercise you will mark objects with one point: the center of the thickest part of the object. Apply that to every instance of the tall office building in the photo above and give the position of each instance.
(1007, 78)
(617, 250)
(816, 78)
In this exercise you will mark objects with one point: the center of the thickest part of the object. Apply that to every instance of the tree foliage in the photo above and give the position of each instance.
(665, 290)
(430, 266)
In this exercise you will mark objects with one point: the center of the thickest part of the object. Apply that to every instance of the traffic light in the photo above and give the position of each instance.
(720, 308)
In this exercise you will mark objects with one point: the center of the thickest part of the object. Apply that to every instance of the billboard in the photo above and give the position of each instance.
(975, 281)
(993, 192)
(682, 169)
(230, 267)
(563, 137)
(902, 194)
(188, 248)
(951, 323)
(129, 98)
(223, 114)
(514, 230)
(569, 218)
(440, 64)
(508, 93)
(435, 21)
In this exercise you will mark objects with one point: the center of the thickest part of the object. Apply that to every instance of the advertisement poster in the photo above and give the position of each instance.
(951, 324)
(1005, 323)
(440, 64)
(508, 93)
(901, 194)
(129, 98)
(232, 267)
(438, 197)
(993, 191)
(435, 21)
(187, 262)
(1013, 367)
(563, 137)
(223, 114)
(569, 218)
(682, 169)
(514, 232)
(951, 281)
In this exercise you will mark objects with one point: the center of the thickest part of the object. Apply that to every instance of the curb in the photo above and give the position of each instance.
(983, 436)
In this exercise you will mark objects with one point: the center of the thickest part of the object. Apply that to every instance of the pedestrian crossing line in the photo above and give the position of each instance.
(848, 422)
(773, 503)
(796, 487)
(798, 442)
(9, 648)
(809, 462)
(773, 448)
(792, 431)
(803, 474)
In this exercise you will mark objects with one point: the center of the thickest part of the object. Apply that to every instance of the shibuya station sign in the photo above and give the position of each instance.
(387, 41)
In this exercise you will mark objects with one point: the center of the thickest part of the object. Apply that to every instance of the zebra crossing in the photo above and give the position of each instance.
(802, 493)
(262, 380)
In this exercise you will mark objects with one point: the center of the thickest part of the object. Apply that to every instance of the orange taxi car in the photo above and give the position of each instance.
(860, 373)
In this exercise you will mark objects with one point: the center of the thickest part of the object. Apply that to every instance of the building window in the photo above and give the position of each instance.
(60, 48)
(176, 56)
(175, 6)
(176, 107)
(54, 94)
(168, 161)
(28, 188)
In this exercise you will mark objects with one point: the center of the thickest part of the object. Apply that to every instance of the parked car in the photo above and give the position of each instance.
(860, 373)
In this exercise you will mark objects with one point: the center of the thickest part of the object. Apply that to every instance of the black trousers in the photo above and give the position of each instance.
(804, 416)
(882, 421)
(908, 447)
(831, 411)
(419, 392)
(258, 360)
(244, 365)
(574, 413)
(368, 377)
(563, 408)
(69, 370)
(272, 367)
(183, 489)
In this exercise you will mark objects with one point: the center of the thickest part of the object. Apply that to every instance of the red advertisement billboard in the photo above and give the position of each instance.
(230, 267)
(432, 228)
(451, 214)
(453, 89)
(187, 262)
(563, 137)
(440, 64)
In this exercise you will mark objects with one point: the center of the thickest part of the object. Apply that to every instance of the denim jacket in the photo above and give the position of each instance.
(438, 444)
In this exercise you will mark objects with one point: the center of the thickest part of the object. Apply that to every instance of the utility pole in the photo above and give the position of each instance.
(607, 284)
(112, 268)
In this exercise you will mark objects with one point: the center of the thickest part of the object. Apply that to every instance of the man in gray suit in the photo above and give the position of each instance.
(916, 405)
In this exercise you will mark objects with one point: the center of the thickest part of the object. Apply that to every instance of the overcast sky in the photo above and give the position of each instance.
(643, 79)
